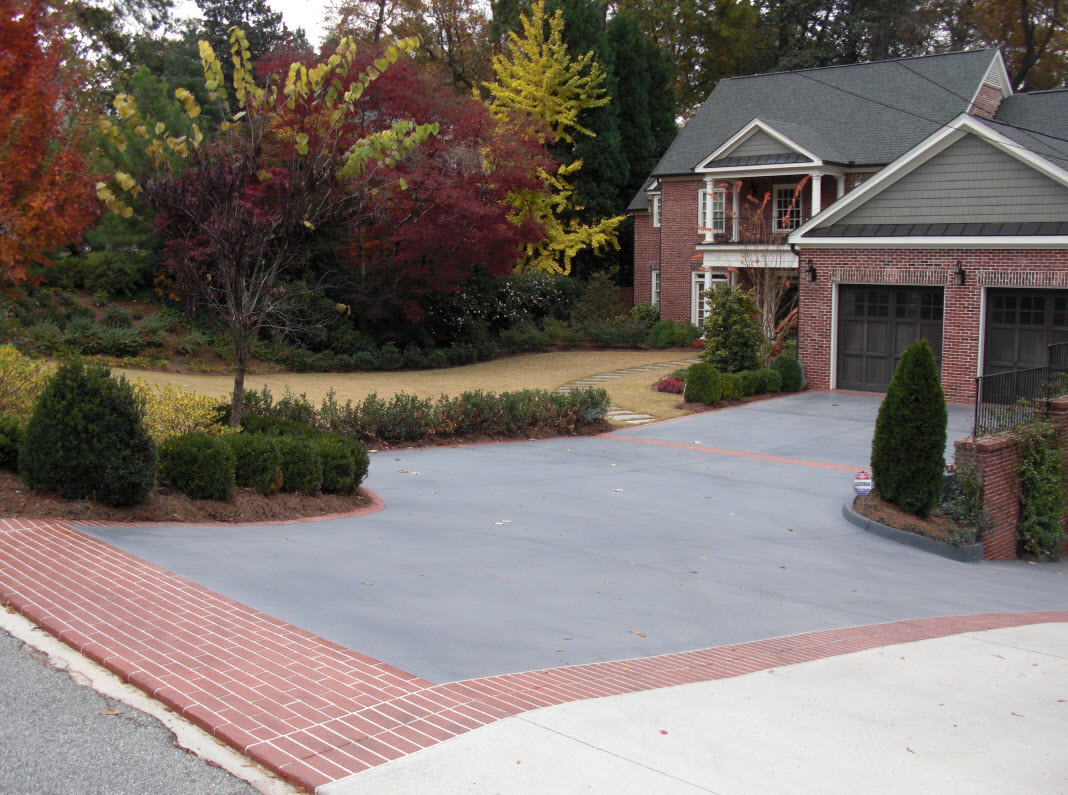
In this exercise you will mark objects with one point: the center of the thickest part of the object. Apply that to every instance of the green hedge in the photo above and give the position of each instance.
(201, 466)
(11, 434)
(258, 465)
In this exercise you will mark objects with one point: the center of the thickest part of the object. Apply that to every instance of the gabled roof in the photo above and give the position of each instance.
(863, 114)
(835, 226)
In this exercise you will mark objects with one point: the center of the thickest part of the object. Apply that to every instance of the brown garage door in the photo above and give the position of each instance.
(876, 324)
(1020, 324)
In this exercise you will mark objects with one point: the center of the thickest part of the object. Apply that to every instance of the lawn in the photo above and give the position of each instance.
(527, 371)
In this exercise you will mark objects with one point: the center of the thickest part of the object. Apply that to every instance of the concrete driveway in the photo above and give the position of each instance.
(714, 529)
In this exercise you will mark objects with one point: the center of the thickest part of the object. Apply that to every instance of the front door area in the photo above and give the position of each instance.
(876, 323)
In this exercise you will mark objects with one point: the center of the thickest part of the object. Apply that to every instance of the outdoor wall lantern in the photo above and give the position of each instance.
(810, 271)
(958, 274)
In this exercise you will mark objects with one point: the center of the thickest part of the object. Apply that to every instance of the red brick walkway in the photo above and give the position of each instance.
(314, 711)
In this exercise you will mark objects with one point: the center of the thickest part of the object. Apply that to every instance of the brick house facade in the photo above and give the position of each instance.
(928, 200)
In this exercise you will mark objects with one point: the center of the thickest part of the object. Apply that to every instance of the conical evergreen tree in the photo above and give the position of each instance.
(908, 451)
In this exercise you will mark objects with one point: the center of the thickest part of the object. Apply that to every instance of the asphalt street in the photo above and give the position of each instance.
(58, 737)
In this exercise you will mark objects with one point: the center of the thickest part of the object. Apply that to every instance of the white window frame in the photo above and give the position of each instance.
(701, 281)
(654, 292)
(654, 209)
(717, 207)
(793, 197)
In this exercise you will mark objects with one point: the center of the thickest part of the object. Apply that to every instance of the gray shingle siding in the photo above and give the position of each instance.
(760, 143)
(971, 181)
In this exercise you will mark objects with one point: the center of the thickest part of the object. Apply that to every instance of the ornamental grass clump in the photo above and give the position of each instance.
(86, 439)
(908, 450)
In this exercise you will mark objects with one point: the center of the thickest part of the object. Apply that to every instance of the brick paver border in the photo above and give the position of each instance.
(311, 710)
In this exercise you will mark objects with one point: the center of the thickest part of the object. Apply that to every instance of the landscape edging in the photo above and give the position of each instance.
(968, 553)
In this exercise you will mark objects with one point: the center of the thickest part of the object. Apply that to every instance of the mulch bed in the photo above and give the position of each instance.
(936, 526)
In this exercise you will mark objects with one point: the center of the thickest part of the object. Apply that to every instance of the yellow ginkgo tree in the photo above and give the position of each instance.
(540, 84)
(237, 215)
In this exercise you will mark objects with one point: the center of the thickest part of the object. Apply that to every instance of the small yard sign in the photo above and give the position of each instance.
(862, 484)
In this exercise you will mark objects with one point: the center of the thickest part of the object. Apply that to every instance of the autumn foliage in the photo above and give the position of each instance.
(46, 194)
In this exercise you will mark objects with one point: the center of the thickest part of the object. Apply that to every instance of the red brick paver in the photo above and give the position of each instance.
(314, 711)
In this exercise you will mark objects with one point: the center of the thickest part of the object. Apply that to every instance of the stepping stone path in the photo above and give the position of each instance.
(614, 412)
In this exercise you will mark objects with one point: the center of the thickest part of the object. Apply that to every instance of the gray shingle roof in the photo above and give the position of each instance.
(1044, 115)
(863, 114)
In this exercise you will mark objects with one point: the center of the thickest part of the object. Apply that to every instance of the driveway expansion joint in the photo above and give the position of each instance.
(314, 711)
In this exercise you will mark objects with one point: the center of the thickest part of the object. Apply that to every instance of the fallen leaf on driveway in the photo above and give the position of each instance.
(503, 521)
(909, 750)
(110, 712)
(663, 731)
(639, 634)
(617, 489)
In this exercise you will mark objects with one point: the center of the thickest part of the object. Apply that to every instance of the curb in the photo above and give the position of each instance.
(969, 553)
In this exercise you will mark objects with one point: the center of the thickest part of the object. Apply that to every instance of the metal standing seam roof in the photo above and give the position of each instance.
(856, 114)
(988, 229)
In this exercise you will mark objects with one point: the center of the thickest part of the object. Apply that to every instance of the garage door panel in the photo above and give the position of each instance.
(877, 324)
(1020, 325)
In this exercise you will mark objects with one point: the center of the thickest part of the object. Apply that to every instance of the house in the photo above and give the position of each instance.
(915, 197)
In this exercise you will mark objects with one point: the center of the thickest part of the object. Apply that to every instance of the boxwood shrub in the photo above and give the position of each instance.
(301, 464)
(790, 371)
(200, 466)
(703, 385)
(87, 438)
(258, 465)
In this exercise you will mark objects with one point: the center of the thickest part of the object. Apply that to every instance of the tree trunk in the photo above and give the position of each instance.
(241, 346)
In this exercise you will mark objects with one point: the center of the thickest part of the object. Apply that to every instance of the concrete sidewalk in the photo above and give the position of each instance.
(982, 712)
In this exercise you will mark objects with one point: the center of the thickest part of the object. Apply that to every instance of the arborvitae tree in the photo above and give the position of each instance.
(908, 451)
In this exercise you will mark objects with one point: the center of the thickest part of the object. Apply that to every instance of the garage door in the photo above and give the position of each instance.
(1020, 324)
(877, 324)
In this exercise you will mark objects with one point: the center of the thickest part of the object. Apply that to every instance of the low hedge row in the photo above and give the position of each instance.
(405, 418)
(705, 384)
(271, 455)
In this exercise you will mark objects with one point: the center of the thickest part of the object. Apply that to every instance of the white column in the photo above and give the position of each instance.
(817, 193)
(708, 233)
(736, 210)
(840, 179)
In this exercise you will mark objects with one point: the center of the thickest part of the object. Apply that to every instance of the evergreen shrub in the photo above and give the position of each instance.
(257, 463)
(200, 466)
(769, 380)
(340, 463)
(728, 383)
(733, 337)
(1042, 493)
(908, 450)
(301, 464)
(87, 438)
(11, 434)
(703, 385)
(789, 368)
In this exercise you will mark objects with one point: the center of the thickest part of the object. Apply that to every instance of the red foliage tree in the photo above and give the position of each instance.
(441, 215)
(46, 192)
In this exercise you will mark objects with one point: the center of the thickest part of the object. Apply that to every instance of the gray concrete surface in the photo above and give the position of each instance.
(501, 558)
(979, 713)
(60, 738)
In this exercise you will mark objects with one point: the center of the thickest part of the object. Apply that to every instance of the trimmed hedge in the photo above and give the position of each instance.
(301, 464)
(200, 466)
(789, 369)
(703, 385)
(258, 465)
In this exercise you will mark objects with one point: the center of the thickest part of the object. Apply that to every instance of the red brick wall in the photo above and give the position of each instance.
(962, 335)
(996, 460)
(679, 238)
(856, 178)
(646, 252)
(987, 101)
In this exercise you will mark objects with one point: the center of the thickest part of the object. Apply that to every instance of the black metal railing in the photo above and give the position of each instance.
(1006, 400)
(1057, 355)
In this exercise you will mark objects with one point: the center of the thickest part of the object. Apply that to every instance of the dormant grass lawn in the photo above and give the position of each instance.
(528, 371)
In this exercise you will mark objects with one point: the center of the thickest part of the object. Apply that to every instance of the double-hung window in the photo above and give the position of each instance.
(654, 296)
(787, 208)
(655, 205)
(712, 210)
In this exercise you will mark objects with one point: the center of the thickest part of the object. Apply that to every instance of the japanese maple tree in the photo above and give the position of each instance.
(46, 197)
